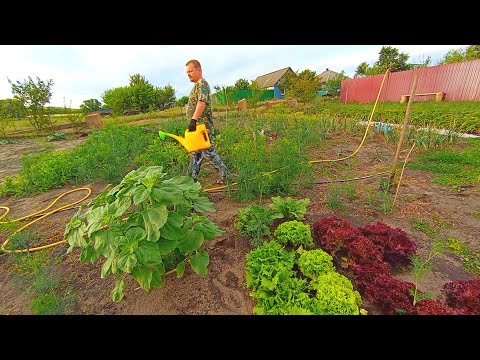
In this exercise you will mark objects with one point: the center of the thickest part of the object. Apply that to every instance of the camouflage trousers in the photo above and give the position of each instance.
(196, 159)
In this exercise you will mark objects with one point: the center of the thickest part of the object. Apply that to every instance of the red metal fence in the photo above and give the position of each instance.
(459, 81)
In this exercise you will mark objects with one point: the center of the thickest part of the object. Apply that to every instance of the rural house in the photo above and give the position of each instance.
(272, 80)
(327, 75)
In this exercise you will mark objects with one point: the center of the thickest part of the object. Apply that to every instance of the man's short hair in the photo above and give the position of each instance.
(195, 63)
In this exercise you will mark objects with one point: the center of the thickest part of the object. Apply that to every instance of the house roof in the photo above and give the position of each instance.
(271, 79)
(327, 75)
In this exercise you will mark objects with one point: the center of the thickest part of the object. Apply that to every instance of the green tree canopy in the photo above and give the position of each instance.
(387, 55)
(334, 84)
(471, 52)
(242, 84)
(182, 101)
(90, 105)
(12, 108)
(139, 95)
(33, 96)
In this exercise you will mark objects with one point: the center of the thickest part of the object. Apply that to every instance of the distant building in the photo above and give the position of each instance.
(272, 80)
(328, 75)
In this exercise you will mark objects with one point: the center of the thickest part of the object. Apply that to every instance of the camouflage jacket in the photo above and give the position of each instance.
(201, 91)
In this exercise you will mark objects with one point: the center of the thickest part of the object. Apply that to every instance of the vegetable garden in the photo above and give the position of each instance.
(293, 235)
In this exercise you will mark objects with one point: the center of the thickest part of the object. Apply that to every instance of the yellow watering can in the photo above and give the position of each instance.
(193, 140)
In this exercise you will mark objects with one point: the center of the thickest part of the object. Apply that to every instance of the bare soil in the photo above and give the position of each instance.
(223, 290)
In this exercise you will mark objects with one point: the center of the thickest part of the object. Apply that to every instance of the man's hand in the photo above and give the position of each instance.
(193, 125)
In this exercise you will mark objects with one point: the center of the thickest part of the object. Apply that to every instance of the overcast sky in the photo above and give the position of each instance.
(81, 72)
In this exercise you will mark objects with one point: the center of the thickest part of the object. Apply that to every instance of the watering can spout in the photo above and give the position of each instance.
(193, 140)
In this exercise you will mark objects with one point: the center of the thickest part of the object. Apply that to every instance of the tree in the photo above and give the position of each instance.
(363, 69)
(34, 96)
(307, 75)
(471, 52)
(182, 101)
(286, 83)
(387, 55)
(90, 105)
(12, 108)
(224, 94)
(165, 97)
(139, 95)
(334, 84)
(304, 85)
(137, 79)
(242, 84)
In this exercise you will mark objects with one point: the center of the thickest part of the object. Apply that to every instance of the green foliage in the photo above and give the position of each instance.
(421, 265)
(171, 155)
(242, 84)
(333, 198)
(362, 69)
(471, 52)
(90, 105)
(471, 261)
(335, 295)
(277, 290)
(451, 168)
(34, 96)
(295, 233)
(290, 208)
(303, 89)
(12, 108)
(139, 95)
(105, 155)
(334, 85)
(313, 263)
(287, 81)
(387, 55)
(254, 222)
(56, 137)
(268, 265)
(182, 101)
(139, 222)
(52, 304)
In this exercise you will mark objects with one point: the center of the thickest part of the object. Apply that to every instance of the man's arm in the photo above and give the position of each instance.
(199, 109)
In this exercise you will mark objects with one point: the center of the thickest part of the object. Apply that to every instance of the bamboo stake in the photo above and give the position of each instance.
(404, 128)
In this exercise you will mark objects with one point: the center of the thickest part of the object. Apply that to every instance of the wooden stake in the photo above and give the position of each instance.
(404, 129)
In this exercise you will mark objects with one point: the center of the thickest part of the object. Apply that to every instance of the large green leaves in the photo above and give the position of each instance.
(143, 226)
(143, 275)
(199, 262)
(154, 218)
(191, 241)
(148, 253)
(117, 292)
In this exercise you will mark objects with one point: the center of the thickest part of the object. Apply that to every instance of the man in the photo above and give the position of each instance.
(199, 108)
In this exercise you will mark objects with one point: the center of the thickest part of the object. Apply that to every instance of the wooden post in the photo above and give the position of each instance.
(404, 129)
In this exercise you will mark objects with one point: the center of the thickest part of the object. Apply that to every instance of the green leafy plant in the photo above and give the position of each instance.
(290, 208)
(255, 222)
(471, 261)
(140, 222)
(295, 233)
(56, 137)
(335, 295)
(421, 265)
(313, 263)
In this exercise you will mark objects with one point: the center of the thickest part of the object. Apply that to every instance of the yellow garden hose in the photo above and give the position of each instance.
(44, 215)
(366, 130)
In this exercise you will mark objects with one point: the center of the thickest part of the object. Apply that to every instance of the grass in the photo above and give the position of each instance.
(33, 272)
(452, 168)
